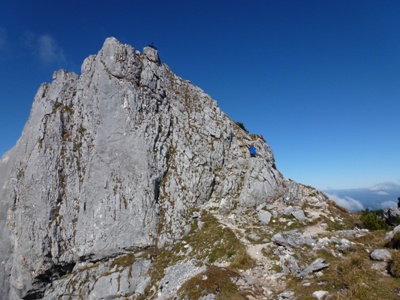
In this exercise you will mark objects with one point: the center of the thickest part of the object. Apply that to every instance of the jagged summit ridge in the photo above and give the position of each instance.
(117, 160)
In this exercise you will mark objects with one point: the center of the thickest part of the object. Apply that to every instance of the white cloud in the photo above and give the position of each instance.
(386, 186)
(347, 202)
(43, 47)
(49, 51)
(387, 204)
(382, 193)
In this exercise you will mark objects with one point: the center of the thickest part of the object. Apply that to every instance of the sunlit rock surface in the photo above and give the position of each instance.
(119, 164)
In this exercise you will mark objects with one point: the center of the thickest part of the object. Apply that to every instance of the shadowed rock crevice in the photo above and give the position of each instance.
(42, 281)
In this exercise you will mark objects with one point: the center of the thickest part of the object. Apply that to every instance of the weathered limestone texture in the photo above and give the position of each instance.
(117, 161)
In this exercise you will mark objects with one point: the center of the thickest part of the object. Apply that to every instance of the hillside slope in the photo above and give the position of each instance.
(130, 183)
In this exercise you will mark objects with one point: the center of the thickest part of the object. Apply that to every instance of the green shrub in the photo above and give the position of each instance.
(241, 125)
(372, 222)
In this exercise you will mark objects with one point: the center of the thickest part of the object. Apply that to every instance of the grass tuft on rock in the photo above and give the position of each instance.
(208, 243)
(215, 280)
(215, 242)
(352, 275)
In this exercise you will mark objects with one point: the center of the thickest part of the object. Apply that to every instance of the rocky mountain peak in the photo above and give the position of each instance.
(129, 181)
(151, 54)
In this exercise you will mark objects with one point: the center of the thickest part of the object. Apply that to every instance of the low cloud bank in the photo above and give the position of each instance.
(388, 204)
(378, 196)
(347, 202)
(382, 193)
(385, 186)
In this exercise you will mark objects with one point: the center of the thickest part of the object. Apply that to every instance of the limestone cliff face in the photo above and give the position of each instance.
(118, 160)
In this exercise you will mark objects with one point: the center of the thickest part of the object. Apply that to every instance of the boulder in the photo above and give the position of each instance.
(392, 233)
(381, 255)
(315, 266)
(264, 217)
(320, 294)
(292, 239)
(298, 214)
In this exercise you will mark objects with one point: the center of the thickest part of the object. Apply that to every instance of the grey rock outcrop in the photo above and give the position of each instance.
(390, 235)
(381, 255)
(298, 214)
(175, 276)
(391, 215)
(264, 216)
(320, 294)
(291, 239)
(316, 265)
(114, 163)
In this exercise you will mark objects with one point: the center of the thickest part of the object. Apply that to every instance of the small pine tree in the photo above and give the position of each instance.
(372, 222)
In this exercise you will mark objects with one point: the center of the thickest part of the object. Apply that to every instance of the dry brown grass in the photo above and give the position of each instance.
(349, 220)
(218, 243)
(394, 265)
(211, 243)
(352, 276)
(242, 260)
(214, 280)
(373, 239)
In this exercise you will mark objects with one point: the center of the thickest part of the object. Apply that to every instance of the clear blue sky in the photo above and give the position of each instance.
(319, 79)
